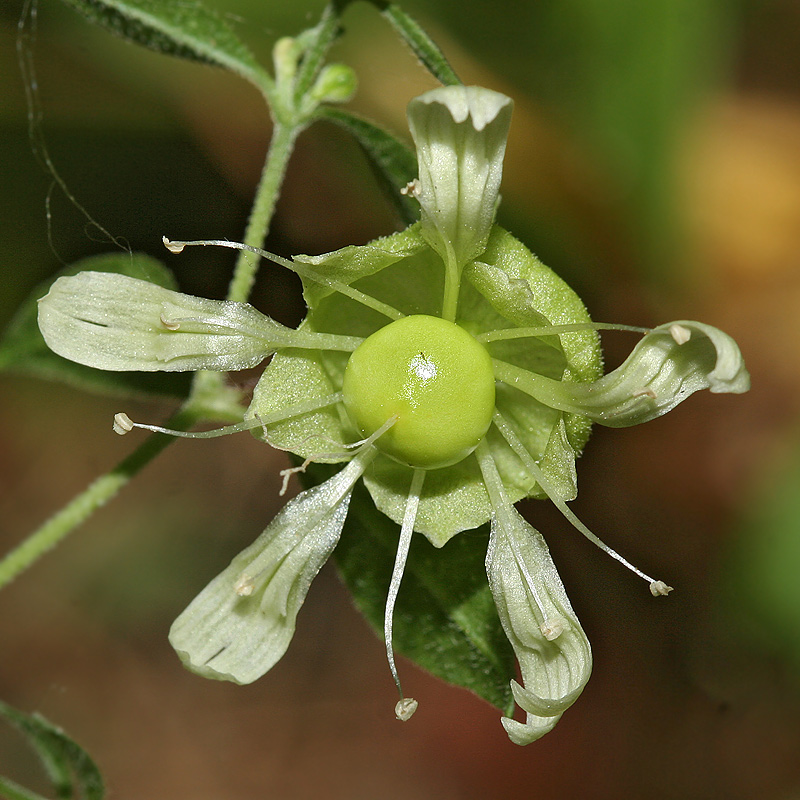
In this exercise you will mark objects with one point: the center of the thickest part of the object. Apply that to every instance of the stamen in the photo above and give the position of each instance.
(659, 588)
(358, 446)
(680, 333)
(169, 324)
(302, 270)
(245, 586)
(549, 330)
(502, 505)
(411, 189)
(406, 706)
(536, 473)
(123, 423)
(552, 628)
(405, 709)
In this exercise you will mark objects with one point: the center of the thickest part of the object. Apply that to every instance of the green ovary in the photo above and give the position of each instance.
(434, 377)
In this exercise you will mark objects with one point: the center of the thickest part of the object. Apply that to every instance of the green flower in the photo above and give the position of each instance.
(446, 366)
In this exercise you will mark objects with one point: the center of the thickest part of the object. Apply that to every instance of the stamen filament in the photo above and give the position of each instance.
(302, 270)
(656, 587)
(123, 423)
(549, 330)
(501, 505)
(406, 706)
(356, 447)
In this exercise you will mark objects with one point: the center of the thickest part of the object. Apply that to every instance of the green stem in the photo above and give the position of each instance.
(205, 387)
(13, 791)
(280, 150)
(93, 497)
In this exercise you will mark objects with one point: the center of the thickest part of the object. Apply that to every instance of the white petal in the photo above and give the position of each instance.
(241, 624)
(460, 133)
(552, 649)
(667, 365)
(114, 322)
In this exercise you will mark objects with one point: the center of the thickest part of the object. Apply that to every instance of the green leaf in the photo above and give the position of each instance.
(759, 592)
(182, 28)
(445, 619)
(73, 773)
(23, 350)
(425, 49)
(394, 163)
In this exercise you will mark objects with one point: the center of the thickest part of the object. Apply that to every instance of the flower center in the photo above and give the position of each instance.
(434, 377)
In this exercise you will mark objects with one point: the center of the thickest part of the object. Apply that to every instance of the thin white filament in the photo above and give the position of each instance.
(355, 447)
(501, 506)
(260, 421)
(536, 473)
(301, 269)
(406, 530)
(549, 330)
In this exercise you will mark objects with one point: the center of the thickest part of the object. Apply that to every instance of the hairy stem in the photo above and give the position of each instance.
(205, 386)
(280, 150)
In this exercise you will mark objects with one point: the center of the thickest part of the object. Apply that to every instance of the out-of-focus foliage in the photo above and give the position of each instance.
(604, 179)
(760, 581)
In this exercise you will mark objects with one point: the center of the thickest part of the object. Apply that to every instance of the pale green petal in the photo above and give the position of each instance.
(666, 366)
(241, 624)
(460, 133)
(552, 649)
(114, 322)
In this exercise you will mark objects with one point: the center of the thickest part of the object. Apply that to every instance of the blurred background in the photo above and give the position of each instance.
(654, 162)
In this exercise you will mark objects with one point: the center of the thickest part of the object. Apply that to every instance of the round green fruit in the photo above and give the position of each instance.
(434, 377)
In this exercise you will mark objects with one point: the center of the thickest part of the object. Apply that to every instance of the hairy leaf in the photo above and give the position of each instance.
(73, 773)
(424, 48)
(182, 28)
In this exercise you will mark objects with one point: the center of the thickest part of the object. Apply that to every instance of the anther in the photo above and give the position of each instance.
(405, 709)
(680, 333)
(552, 628)
(244, 586)
(173, 247)
(659, 589)
(169, 324)
(122, 424)
(411, 188)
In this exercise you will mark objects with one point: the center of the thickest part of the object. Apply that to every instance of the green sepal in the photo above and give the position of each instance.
(445, 620)
(405, 272)
(291, 377)
(181, 28)
(23, 349)
(71, 770)
(241, 624)
(358, 262)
